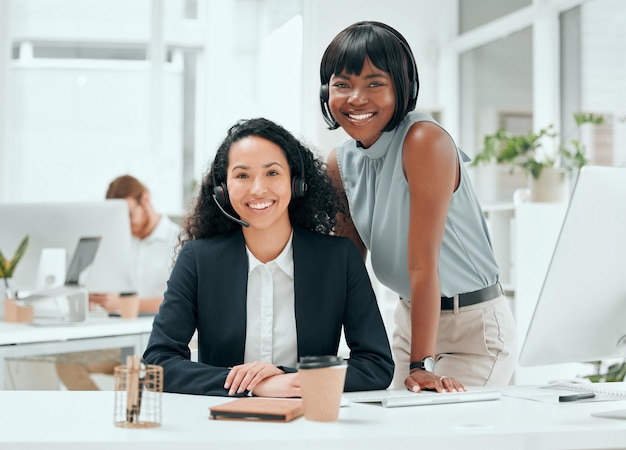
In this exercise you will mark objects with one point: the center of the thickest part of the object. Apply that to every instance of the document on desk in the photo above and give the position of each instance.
(567, 392)
(391, 398)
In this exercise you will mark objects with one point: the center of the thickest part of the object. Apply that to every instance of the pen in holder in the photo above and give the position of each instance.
(138, 389)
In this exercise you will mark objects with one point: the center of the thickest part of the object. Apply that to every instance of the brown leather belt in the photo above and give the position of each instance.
(471, 298)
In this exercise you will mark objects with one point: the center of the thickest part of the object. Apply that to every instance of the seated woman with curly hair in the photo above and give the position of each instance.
(263, 280)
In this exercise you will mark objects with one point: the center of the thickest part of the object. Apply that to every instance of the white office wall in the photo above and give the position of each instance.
(250, 67)
(90, 20)
(75, 123)
(236, 43)
(74, 128)
(280, 74)
(603, 67)
(5, 55)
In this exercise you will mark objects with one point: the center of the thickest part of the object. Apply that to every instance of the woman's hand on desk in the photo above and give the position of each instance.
(245, 377)
(286, 385)
(251, 377)
(110, 301)
(420, 379)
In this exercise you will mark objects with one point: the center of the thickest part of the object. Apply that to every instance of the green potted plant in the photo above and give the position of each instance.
(527, 152)
(7, 266)
(615, 372)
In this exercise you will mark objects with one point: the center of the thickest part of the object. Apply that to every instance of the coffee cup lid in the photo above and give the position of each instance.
(316, 362)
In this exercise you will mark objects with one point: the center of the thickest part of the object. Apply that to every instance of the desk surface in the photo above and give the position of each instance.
(84, 420)
(19, 340)
(25, 333)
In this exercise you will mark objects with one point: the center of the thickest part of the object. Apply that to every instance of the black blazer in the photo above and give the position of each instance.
(207, 290)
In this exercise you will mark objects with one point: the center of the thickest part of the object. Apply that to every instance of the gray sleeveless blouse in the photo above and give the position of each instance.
(378, 197)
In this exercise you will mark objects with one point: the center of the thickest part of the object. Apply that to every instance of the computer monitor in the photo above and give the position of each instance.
(61, 225)
(580, 315)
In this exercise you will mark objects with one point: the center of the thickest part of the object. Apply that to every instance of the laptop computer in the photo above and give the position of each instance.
(391, 398)
(68, 304)
(81, 261)
(83, 257)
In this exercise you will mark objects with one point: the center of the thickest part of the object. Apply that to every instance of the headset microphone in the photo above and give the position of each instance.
(234, 219)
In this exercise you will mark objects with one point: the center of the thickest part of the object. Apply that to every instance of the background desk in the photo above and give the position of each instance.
(21, 340)
(84, 420)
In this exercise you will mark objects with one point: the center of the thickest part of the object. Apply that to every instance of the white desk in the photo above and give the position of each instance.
(20, 340)
(84, 420)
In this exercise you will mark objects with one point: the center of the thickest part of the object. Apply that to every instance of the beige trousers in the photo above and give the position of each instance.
(75, 369)
(476, 344)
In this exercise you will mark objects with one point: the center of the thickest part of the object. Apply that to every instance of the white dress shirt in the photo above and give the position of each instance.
(271, 320)
(152, 258)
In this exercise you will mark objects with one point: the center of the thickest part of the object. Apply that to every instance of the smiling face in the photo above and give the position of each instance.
(259, 183)
(363, 104)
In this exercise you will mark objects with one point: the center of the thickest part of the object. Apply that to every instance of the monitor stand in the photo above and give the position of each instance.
(52, 268)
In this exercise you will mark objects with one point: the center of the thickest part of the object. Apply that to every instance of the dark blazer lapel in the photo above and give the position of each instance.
(315, 334)
(226, 309)
(303, 273)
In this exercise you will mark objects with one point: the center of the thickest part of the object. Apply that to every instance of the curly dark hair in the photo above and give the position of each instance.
(315, 211)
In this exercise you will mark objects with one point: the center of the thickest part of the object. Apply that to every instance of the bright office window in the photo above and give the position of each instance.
(497, 79)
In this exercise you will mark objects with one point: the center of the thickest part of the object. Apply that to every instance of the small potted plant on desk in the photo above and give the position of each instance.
(13, 312)
(546, 172)
(615, 372)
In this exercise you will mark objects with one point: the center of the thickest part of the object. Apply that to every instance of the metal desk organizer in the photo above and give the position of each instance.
(138, 390)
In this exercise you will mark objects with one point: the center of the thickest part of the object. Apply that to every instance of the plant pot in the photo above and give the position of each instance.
(4, 294)
(13, 312)
(551, 186)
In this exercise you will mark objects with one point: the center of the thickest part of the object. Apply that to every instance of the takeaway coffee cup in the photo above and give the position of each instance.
(129, 305)
(322, 379)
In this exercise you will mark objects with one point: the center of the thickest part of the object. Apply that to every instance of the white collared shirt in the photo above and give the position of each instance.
(271, 320)
(152, 258)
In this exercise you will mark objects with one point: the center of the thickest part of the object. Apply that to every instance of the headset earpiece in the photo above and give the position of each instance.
(413, 91)
(298, 187)
(324, 96)
(220, 192)
(298, 182)
(414, 83)
(328, 117)
(221, 195)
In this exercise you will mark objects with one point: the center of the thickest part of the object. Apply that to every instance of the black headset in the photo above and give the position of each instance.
(220, 191)
(413, 85)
